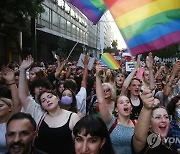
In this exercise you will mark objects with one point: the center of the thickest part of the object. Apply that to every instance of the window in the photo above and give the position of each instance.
(68, 26)
(63, 23)
(55, 18)
(46, 14)
(67, 8)
(74, 29)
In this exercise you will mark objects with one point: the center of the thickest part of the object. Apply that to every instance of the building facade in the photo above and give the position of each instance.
(61, 20)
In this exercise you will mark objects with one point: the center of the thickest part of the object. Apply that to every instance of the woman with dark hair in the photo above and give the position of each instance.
(173, 109)
(91, 136)
(131, 88)
(55, 124)
(59, 87)
(121, 128)
(68, 101)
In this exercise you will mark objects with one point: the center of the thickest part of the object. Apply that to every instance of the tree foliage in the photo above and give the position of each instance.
(169, 52)
(62, 47)
(114, 44)
(18, 12)
(112, 49)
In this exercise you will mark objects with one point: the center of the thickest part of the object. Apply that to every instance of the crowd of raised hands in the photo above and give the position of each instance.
(99, 111)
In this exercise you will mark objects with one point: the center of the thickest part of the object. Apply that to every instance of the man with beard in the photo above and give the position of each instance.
(20, 134)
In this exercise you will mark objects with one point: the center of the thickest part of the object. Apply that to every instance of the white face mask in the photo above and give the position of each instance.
(178, 113)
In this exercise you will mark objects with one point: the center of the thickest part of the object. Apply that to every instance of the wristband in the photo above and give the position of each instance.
(11, 83)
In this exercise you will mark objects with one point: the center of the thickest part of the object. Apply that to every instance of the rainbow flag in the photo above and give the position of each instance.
(108, 59)
(92, 9)
(147, 25)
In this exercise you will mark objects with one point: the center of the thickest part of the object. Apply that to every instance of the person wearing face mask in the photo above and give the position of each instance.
(174, 110)
(68, 101)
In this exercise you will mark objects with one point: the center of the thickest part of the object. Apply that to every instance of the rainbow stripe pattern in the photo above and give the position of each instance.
(108, 59)
(92, 9)
(147, 25)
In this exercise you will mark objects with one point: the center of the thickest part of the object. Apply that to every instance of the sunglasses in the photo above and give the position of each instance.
(106, 90)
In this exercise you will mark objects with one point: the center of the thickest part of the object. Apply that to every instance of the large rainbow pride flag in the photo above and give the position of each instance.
(147, 25)
(108, 60)
(92, 9)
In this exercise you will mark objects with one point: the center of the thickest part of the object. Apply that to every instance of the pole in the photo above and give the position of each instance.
(71, 50)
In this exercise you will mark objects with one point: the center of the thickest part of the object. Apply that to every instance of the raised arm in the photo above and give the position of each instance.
(106, 115)
(149, 63)
(168, 88)
(59, 67)
(85, 72)
(143, 123)
(8, 75)
(127, 81)
(23, 84)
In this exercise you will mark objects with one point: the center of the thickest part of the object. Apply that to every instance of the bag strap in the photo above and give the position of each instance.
(134, 122)
(38, 126)
(113, 126)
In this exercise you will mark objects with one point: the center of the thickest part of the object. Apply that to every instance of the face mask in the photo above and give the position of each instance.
(178, 113)
(66, 100)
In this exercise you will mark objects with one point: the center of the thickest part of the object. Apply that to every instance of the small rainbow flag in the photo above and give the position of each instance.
(147, 25)
(108, 59)
(92, 9)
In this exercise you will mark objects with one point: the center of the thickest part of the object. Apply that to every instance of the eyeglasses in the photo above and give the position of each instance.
(159, 117)
(106, 90)
(178, 106)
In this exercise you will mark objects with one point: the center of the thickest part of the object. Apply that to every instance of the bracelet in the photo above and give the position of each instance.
(11, 83)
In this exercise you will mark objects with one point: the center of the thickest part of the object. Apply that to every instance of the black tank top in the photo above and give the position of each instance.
(55, 140)
(136, 110)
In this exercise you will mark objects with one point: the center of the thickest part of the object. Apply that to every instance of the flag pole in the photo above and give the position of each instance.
(71, 50)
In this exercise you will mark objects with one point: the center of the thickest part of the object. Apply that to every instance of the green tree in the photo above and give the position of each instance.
(169, 52)
(112, 49)
(62, 48)
(17, 12)
(114, 44)
(108, 49)
(15, 18)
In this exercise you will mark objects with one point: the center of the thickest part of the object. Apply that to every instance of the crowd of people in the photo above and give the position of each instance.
(61, 108)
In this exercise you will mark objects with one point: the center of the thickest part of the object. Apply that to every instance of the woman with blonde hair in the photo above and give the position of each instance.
(8, 106)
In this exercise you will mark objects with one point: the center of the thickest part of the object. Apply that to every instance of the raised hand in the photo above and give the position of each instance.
(138, 62)
(27, 63)
(8, 75)
(148, 99)
(100, 68)
(149, 60)
(86, 60)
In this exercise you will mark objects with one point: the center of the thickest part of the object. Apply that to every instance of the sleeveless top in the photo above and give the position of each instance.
(55, 140)
(136, 110)
(121, 137)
